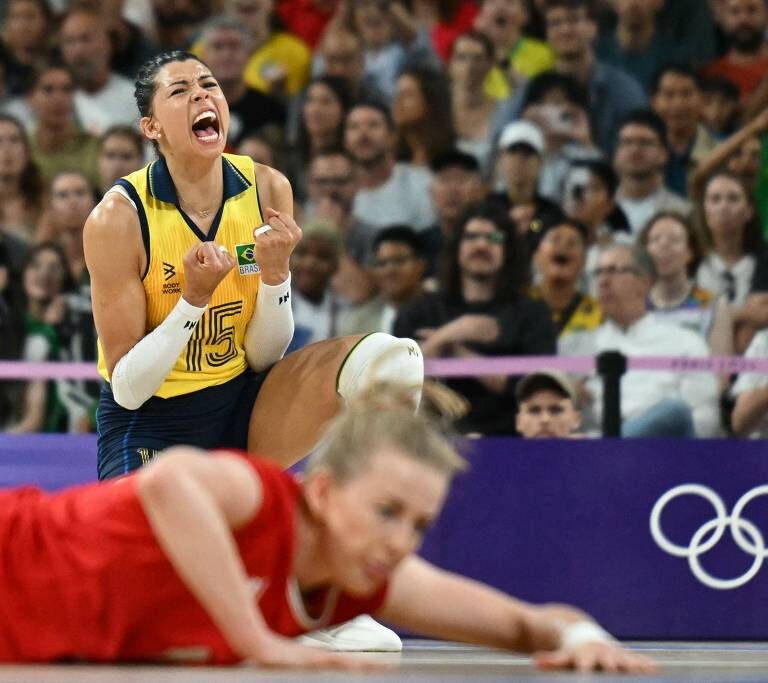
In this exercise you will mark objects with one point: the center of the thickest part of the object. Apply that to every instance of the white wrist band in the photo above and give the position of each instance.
(581, 632)
(141, 371)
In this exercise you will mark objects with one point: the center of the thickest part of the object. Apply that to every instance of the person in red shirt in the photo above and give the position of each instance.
(226, 558)
(306, 18)
(744, 23)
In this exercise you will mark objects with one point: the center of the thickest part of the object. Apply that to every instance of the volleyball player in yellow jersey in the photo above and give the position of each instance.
(191, 295)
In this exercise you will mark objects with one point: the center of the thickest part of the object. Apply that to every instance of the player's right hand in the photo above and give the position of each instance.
(596, 656)
(283, 653)
(205, 266)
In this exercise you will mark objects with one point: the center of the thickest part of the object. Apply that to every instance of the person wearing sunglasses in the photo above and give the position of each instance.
(481, 310)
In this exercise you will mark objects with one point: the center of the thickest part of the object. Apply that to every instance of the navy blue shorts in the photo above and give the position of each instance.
(214, 417)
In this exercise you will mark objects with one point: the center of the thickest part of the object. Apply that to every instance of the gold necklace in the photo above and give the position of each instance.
(203, 213)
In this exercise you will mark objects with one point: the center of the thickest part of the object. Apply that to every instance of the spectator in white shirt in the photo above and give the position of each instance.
(733, 238)
(640, 161)
(389, 192)
(103, 98)
(750, 414)
(653, 403)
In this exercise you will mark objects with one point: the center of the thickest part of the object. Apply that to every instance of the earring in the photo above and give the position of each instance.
(159, 135)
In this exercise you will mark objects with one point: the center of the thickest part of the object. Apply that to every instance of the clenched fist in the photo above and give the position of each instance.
(205, 266)
(274, 247)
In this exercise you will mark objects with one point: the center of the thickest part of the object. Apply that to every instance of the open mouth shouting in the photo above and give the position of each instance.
(206, 127)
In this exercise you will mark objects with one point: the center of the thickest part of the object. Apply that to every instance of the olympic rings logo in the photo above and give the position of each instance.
(746, 535)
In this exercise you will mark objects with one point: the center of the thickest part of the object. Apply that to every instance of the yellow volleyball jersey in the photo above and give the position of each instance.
(215, 353)
(582, 315)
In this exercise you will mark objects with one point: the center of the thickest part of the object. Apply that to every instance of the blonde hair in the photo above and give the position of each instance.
(383, 416)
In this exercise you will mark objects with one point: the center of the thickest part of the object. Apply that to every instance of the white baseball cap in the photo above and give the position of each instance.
(522, 133)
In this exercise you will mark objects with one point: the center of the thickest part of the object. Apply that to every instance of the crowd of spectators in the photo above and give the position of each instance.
(488, 177)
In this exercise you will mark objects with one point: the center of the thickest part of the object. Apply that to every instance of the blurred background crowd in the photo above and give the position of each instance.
(489, 177)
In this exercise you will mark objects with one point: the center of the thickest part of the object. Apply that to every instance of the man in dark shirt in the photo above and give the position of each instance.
(457, 183)
(481, 311)
(521, 160)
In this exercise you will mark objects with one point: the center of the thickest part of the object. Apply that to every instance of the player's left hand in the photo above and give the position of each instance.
(596, 656)
(274, 247)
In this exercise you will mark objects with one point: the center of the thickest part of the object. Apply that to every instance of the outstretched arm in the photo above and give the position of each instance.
(438, 603)
(720, 154)
(193, 502)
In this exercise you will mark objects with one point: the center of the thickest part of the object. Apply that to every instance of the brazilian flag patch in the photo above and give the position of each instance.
(246, 259)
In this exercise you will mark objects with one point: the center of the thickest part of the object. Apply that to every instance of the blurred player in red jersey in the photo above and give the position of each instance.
(226, 558)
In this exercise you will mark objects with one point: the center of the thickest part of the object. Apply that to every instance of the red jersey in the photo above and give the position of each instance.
(82, 576)
(746, 76)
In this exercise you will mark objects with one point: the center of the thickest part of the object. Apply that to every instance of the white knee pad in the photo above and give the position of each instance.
(380, 357)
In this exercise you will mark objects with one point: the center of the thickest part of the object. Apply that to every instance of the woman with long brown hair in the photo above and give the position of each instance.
(422, 115)
(21, 185)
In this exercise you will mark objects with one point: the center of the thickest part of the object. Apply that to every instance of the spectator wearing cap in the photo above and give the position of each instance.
(398, 267)
(589, 191)
(640, 162)
(481, 310)
(570, 31)
(559, 260)
(546, 406)
(457, 182)
(521, 158)
(656, 403)
(677, 99)
(389, 192)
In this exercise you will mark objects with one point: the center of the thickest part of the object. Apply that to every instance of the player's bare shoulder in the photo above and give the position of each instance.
(113, 228)
(274, 188)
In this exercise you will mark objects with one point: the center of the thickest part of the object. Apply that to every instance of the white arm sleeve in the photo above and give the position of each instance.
(141, 371)
(270, 330)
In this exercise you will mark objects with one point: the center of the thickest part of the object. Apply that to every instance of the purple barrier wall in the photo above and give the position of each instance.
(570, 521)
(51, 461)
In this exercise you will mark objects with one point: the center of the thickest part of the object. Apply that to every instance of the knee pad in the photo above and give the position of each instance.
(380, 357)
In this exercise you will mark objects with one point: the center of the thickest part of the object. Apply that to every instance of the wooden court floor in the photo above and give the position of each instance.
(425, 661)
